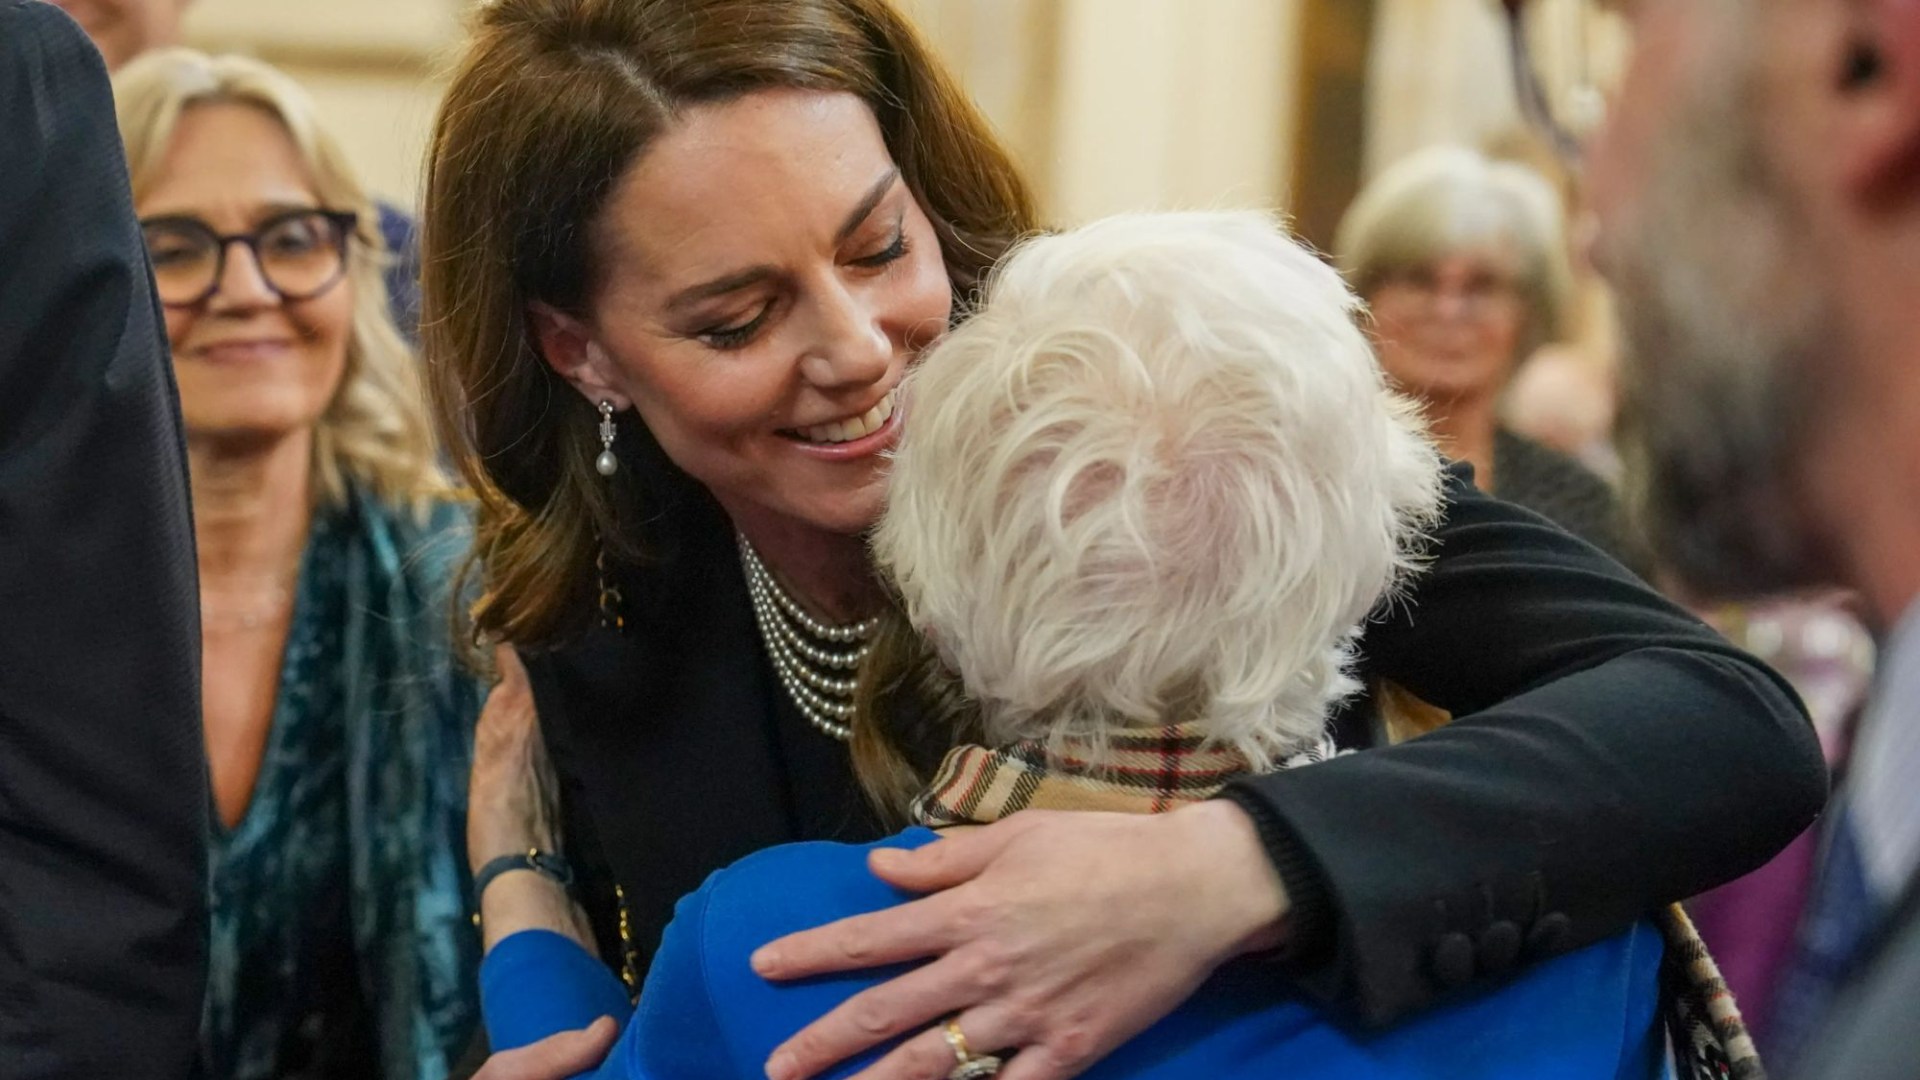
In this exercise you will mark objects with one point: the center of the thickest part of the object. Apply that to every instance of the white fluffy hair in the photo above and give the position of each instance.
(1158, 477)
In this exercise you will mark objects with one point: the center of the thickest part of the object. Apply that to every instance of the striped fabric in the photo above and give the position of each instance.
(1146, 771)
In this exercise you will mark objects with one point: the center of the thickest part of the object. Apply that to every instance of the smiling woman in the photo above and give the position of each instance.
(336, 724)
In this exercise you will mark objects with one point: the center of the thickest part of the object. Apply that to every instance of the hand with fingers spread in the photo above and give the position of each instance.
(1056, 935)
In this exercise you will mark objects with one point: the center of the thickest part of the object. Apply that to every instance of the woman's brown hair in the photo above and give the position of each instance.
(549, 106)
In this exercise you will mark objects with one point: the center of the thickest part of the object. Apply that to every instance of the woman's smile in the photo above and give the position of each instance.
(854, 437)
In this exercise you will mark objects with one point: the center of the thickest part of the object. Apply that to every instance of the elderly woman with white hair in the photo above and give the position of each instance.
(1151, 492)
(337, 722)
(1463, 261)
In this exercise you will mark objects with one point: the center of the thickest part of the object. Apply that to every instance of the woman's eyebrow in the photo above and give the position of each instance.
(753, 275)
(866, 205)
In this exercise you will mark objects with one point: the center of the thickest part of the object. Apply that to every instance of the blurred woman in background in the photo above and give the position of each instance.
(337, 725)
(1463, 261)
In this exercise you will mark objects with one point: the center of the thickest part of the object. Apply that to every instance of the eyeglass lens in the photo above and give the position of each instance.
(299, 255)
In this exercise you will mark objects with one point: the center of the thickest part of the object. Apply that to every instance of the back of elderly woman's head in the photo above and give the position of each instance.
(1158, 478)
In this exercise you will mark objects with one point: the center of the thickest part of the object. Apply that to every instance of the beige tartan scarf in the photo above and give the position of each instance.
(1144, 771)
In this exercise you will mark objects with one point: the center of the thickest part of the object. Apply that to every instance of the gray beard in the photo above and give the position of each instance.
(1722, 328)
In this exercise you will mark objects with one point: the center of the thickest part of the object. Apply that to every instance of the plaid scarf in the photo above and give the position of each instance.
(1144, 771)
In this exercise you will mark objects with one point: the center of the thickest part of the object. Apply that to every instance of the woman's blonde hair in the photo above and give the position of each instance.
(1449, 199)
(551, 104)
(375, 433)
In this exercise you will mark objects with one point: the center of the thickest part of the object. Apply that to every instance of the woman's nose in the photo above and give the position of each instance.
(850, 348)
(242, 283)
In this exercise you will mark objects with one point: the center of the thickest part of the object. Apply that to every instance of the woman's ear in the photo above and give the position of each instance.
(568, 347)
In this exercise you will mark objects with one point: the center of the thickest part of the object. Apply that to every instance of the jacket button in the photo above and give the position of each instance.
(1453, 960)
(1499, 947)
(1549, 936)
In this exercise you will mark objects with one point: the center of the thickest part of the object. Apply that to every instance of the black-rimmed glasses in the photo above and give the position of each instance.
(300, 254)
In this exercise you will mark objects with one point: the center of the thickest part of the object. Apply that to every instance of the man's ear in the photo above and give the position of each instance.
(1878, 72)
(568, 347)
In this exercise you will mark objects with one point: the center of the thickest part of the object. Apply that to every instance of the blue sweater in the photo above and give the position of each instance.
(704, 1013)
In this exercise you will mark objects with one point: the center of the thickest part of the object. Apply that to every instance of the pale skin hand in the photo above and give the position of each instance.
(1060, 935)
(555, 1057)
(511, 808)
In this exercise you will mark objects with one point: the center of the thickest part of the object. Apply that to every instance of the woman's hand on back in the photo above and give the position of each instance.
(1056, 935)
(512, 809)
(555, 1057)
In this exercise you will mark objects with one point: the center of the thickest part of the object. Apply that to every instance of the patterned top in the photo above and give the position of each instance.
(342, 941)
(278, 880)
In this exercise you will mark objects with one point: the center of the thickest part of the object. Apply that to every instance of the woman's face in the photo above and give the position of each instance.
(767, 279)
(251, 366)
(1451, 331)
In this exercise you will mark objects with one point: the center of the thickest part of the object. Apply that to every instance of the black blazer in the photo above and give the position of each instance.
(1610, 754)
(103, 785)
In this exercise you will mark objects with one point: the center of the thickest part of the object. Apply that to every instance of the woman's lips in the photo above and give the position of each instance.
(872, 442)
(241, 352)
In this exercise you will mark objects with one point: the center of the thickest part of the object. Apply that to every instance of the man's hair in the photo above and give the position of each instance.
(1158, 478)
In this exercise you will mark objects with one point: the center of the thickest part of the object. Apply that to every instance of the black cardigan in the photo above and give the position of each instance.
(1610, 754)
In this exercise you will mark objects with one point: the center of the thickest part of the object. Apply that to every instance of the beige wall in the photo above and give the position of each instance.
(369, 63)
(1109, 104)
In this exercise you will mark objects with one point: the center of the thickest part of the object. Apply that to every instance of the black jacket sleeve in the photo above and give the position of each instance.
(103, 788)
(1609, 754)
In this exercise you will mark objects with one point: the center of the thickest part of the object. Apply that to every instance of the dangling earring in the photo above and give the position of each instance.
(606, 462)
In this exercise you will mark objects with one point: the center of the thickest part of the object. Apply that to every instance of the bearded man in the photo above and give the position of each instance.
(1758, 187)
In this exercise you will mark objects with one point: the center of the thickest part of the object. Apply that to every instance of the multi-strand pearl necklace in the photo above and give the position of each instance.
(806, 652)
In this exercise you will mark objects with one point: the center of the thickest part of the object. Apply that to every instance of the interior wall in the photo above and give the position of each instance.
(1107, 104)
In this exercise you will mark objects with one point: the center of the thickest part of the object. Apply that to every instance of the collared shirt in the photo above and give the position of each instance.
(1885, 764)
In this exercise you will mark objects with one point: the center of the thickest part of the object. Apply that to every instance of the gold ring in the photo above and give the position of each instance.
(967, 1065)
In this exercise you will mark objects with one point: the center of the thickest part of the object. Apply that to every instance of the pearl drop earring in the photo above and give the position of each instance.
(606, 462)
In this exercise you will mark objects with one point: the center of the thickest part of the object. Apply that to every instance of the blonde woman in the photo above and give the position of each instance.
(1463, 261)
(337, 725)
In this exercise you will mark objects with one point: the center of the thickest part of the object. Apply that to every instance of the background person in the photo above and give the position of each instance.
(103, 778)
(126, 29)
(731, 228)
(1463, 263)
(337, 722)
(1761, 222)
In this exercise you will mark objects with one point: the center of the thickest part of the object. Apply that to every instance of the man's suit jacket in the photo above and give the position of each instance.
(103, 786)
(1870, 1033)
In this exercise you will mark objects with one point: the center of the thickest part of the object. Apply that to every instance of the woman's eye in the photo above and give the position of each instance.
(888, 254)
(292, 240)
(173, 255)
(733, 337)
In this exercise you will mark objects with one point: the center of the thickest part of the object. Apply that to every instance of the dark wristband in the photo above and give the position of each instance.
(547, 864)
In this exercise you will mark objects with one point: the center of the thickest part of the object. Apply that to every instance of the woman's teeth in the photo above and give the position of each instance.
(847, 430)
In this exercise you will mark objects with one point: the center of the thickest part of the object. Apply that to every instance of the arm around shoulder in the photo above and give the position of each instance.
(1611, 754)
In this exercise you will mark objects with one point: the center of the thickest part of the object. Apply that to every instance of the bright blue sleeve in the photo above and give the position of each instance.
(675, 1034)
(538, 983)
